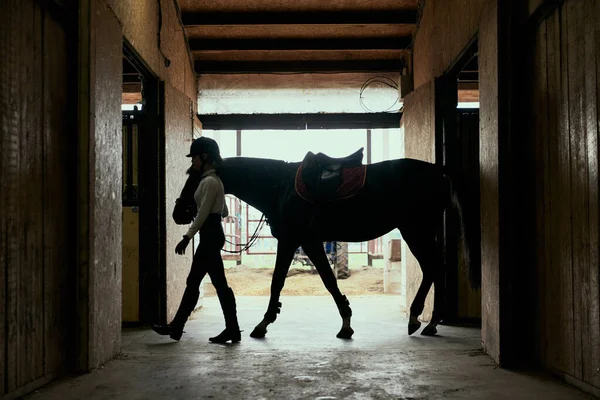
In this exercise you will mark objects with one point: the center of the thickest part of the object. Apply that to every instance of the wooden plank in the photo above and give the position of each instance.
(554, 309)
(24, 326)
(265, 67)
(563, 194)
(12, 160)
(105, 273)
(590, 299)
(24, 297)
(595, 284)
(30, 358)
(362, 17)
(131, 266)
(297, 44)
(579, 173)
(545, 268)
(540, 120)
(57, 190)
(5, 134)
(36, 244)
(490, 218)
(474, 296)
(420, 144)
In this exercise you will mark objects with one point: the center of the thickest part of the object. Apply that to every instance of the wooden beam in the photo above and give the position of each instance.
(468, 85)
(383, 43)
(131, 98)
(132, 87)
(301, 121)
(131, 79)
(260, 67)
(294, 18)
(542, 12)
(470, 76)
(469, 96)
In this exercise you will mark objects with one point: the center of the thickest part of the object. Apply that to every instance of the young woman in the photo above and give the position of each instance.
(210, 200)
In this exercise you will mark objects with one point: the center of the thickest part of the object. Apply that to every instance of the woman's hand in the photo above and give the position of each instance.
(181, 246)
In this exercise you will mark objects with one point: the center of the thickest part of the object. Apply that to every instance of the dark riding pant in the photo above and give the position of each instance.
(207, 260)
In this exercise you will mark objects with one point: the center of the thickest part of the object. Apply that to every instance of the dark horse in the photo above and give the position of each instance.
(418, 192)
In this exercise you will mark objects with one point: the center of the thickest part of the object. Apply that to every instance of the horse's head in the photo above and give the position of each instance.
(185, 206)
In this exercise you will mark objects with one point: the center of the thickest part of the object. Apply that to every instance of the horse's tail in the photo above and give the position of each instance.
(465, 236)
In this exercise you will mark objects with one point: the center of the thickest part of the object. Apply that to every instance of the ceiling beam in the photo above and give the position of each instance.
(302, 18)
(301, 121)
(131, 78)
(383, 43)
(257, 67)
(469, 76)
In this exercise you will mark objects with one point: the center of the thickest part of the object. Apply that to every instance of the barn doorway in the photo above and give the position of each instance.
(143, 293)
(290, 137)
(457, 148)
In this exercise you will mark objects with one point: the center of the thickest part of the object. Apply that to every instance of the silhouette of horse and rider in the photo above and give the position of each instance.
(324, 199)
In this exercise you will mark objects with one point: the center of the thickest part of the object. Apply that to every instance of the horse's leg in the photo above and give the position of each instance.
(314, 250)
(438, 304)
(422, 245)
(418, 304)
(285, 254)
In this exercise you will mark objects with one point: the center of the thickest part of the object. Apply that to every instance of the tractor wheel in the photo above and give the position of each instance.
(341, 261)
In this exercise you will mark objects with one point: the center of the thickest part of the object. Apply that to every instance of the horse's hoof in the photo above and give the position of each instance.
(258, 333)
(345, 333)
(413, 327)
(429, 331)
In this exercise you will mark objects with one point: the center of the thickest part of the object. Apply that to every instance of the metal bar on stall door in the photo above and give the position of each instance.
(368, 146)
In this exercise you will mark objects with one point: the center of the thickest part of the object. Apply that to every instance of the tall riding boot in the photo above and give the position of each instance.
(188, 303)
(232, 329)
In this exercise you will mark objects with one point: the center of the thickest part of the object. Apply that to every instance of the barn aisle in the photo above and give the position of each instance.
(302, 359)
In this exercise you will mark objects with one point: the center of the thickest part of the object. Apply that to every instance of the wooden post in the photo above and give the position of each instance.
(368, 146)
(369, 151)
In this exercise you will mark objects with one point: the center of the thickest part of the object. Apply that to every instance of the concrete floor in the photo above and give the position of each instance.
(302, 359)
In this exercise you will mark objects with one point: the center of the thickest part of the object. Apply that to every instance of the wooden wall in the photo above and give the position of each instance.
(489, 185)
(140, 29)
(36, 198)
(106, 174)
(178, 137)
(565, 114)
(419, 141)
(445, 29)
(139, 20)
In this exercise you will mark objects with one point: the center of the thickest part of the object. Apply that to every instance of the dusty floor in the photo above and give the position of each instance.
(247, 281)
(302, 359)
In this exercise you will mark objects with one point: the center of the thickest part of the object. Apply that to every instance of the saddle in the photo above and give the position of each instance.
(321, 178)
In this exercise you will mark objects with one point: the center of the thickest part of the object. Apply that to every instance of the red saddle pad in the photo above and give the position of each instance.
(353, 179)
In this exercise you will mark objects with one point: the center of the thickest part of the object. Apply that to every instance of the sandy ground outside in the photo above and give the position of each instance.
(246, 281)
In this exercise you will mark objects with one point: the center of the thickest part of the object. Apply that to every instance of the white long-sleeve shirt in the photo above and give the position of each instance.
(210, 199)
